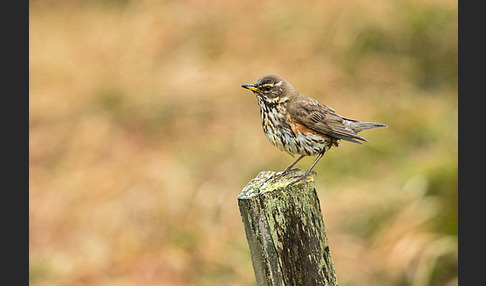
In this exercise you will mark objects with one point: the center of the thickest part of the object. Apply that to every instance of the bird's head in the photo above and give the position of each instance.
(271, 88)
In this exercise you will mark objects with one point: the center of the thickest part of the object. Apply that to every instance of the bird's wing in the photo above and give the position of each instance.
(322, 118)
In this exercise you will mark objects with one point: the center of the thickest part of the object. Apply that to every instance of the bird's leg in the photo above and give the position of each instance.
(288, 169)
(304, 176)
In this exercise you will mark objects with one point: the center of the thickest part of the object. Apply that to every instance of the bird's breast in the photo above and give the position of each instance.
(289, 135)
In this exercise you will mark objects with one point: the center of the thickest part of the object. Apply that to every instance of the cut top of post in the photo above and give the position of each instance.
(262, 183)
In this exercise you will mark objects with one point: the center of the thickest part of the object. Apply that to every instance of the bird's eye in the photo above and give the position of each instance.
(267, 88)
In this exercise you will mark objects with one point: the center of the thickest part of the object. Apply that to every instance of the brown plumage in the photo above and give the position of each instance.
(298, 124)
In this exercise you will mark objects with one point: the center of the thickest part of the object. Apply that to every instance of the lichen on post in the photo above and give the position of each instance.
(286, 232)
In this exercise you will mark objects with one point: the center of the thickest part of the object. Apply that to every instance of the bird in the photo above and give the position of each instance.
(300, 125)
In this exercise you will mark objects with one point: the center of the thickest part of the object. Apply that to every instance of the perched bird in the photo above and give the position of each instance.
(298, 124)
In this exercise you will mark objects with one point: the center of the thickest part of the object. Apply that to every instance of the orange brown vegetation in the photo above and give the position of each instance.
(141, 137)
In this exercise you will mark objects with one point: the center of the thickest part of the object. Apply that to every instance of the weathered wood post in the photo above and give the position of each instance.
(286, 233)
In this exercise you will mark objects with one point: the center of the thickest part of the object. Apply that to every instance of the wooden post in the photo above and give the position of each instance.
(286, 233)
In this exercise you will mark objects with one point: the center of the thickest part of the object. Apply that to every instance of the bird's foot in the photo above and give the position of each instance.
(302, 177)
(277, 176)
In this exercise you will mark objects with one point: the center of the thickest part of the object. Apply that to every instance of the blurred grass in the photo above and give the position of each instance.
(141, 138)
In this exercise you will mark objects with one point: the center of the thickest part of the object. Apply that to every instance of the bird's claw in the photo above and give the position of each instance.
(302, 178)
(279, 175)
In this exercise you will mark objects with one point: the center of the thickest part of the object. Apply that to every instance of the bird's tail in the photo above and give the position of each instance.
(360, 126)
(352, 128)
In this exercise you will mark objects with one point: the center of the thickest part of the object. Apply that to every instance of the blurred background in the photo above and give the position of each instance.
(141, 137)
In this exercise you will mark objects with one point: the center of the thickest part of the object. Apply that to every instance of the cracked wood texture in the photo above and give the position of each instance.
(285, 231)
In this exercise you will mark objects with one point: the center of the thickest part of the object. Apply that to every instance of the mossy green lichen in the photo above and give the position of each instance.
(289, 238)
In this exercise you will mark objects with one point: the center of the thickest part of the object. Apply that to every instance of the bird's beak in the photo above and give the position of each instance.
(250, 87)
